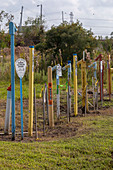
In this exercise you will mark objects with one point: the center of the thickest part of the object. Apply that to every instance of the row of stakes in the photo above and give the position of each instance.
(21, 63)
(21, 66)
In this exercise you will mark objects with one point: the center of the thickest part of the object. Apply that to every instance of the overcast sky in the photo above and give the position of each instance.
(95, 14)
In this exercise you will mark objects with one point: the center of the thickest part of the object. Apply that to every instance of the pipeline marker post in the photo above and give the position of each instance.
(8, 111)
(101, 76)
(97, 96)
(84, 84)
(101, 82)
(20, 65)
(12, 30)
(31, 80)
(75, 84)
(50, 98)
(36, 135)
(43, 102)
(94, 80)
(58, 74)
(69, 87)
(108, 77)
(86, 100)
(46, 96)
(67, 91)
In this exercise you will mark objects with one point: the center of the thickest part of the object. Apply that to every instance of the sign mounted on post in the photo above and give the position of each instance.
(20, 67)
(59, 70)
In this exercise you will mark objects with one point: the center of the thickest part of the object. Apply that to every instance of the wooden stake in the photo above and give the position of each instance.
(50, 98)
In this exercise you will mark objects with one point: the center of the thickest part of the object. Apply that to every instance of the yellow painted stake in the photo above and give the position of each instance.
(111, 72)
(50, 97)
(84, 83)
(31, 82)
(75, 84)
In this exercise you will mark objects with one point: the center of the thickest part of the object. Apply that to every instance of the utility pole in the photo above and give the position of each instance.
(71, 17)
(20, 26)
(40, 13)
(62, 17)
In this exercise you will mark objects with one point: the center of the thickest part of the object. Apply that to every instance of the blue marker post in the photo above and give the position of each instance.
(12, 30)
(69, 85)
(21, 103)
(20, 69)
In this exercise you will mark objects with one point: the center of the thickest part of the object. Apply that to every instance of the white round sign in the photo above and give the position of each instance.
(20, 67)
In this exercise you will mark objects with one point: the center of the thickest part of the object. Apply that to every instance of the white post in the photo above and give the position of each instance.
(8, 112)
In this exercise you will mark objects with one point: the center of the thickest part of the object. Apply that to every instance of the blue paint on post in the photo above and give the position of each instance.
(12, 31)
(21, 103)
(69, 69)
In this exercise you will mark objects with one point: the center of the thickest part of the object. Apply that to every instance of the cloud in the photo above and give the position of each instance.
(52, 12)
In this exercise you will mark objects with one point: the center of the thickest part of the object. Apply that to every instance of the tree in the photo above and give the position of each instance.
(69, 39)
(5, 18)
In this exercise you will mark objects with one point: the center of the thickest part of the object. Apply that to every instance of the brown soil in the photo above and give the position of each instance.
(62, 129)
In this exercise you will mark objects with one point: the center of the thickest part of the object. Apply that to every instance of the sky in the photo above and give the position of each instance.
(94, 14)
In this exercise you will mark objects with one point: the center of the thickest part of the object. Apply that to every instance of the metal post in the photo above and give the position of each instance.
(75, 84)
(58, 96)
(86, 100)
(108, 77)
(97, 96)
(36, 135)
(12, 30)
(69, 82)
(93, 92)
(21, 109)
(67, 105)
(101, 81)
(31, 80)
(43, 97)
(47, 103)
(8, 111)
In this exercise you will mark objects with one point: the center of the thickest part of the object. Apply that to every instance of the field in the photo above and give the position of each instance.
(83, 143)
(89, 147)
(86, 142)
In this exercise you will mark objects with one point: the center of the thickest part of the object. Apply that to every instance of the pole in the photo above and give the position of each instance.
(50, 98)
(67, 91)
(75, 83)
(97, 95)
(47, 103)
(58, 96)
(41, 13)
(108, 76)
(21, 103)
(62, 17)
(12, 30)
(36, 135)
(69, 82)
(43, 97)
(100, 68)
(86, 100)
(31, 80)
(101, 81)
(8, 111)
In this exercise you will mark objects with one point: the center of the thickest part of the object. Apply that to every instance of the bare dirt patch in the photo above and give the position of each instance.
(62, 129)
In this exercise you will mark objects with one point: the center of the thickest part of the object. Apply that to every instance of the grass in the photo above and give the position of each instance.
(91, 148)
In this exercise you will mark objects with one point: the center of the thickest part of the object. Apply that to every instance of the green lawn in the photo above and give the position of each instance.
(91, 148)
